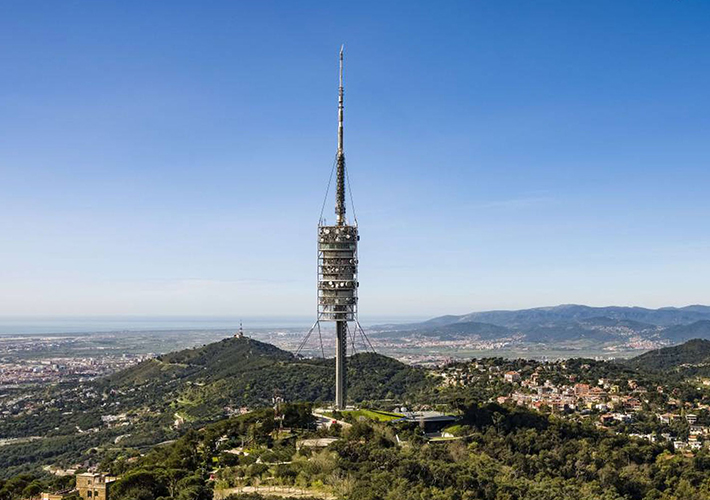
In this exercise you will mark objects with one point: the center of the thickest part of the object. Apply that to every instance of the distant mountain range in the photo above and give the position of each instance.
(565, 323)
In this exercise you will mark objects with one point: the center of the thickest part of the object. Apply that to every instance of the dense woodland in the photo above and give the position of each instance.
(502, 454)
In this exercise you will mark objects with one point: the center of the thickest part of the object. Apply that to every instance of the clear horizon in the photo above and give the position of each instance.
(171, 159)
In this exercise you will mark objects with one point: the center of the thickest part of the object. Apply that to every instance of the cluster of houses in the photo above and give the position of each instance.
(16, 372)
(606, 397)
(610, 403)
(698, 435)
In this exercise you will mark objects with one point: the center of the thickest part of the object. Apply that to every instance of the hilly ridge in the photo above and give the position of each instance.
(692, 353)
(202, 382)
(160, 399)
(665, 316)
(566, 323)
(681, 333)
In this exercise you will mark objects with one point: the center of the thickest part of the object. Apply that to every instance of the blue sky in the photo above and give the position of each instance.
(166, 158)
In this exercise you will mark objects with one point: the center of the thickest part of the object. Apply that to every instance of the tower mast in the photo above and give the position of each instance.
(340, 180)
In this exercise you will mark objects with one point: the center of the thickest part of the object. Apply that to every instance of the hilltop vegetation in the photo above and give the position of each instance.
(504, 453)
(244, 372)
(159, 399)
(694, 353)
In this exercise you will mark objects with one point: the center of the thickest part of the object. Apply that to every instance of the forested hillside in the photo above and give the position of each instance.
(235, 372)
(499, 453)
(159, 399)
(694, 353)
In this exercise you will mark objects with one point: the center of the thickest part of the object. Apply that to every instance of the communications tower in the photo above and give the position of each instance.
(337, 270)
(337, 265)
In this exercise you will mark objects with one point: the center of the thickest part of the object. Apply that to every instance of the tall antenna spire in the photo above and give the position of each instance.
(340, 190)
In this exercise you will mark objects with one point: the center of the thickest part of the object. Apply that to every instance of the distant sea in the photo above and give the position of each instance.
(20, 325)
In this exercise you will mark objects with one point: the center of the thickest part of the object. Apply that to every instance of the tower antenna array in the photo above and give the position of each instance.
(340, 178)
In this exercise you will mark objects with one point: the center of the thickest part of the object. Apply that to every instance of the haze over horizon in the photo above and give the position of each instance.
(162, 160)
(17, 324)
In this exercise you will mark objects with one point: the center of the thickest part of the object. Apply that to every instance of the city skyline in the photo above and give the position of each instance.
(501, 156)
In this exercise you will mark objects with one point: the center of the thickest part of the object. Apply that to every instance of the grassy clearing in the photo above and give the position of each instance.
(376, 415)
(455, 429)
